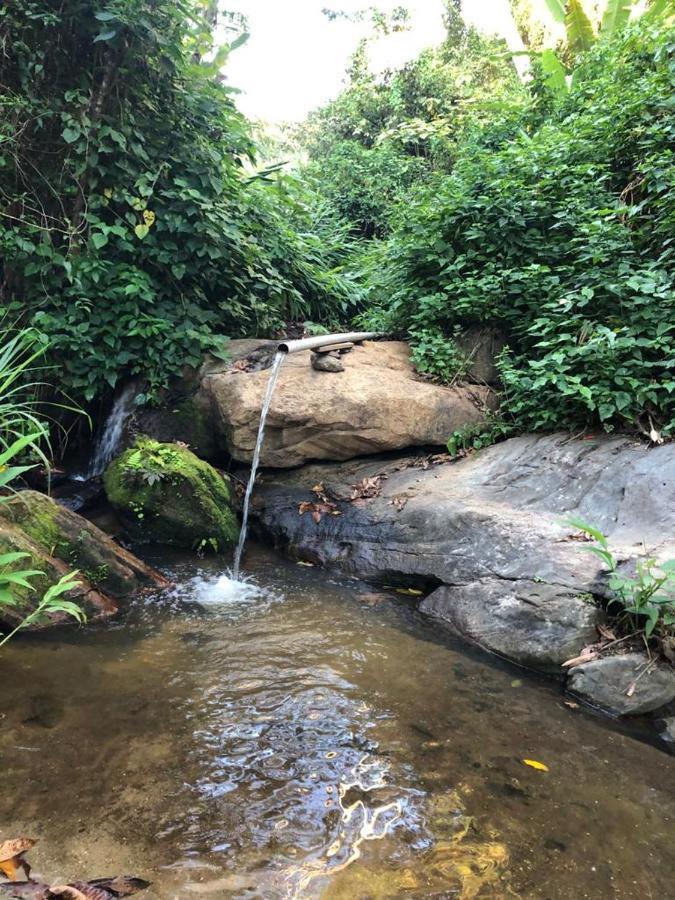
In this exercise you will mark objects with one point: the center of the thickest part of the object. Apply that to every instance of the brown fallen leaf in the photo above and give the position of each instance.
(571, 704)
(11, 857)
(241, 365)
(606, 633)
(399, 502)
(367, 487)
(317, 510)
(579, 536)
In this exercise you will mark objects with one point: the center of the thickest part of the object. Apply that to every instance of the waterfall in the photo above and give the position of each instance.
(274, 374)
(109, 440)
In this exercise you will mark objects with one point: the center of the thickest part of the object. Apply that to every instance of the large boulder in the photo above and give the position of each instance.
(485, 537)
(58, 541)
(376, 404)
(165, 494)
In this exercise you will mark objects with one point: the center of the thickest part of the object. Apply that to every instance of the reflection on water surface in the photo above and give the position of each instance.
(301, 737)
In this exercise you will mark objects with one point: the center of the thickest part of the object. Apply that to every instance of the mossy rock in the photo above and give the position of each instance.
(61, 536)
(165, 494)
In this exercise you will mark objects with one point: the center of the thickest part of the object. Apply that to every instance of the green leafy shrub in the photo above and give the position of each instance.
(476, 437)
(435, 354)
(133, 232)
(559, 233)
(646, 600)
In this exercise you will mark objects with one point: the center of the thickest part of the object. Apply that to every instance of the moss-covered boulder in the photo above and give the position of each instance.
(58, 541)
(165, 494)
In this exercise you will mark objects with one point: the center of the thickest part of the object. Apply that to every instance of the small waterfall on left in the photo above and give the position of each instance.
(274, 374)
(109, 440)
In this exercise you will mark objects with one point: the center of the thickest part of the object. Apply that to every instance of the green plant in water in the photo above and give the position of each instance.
(646, 599)
(11, 580)
(51, 602)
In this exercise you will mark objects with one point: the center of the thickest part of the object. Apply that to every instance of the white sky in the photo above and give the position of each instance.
(295, 58)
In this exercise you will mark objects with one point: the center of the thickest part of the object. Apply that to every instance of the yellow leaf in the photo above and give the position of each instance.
(409, 592)
(108, 193)
(535, 764)
(149, 217)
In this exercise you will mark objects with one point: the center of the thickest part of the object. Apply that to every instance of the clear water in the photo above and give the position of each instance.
(271, 384)
(302, 737)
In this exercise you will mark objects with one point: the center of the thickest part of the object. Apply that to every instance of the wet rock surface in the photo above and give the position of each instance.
(487, 532)
(377, 404)
(536, 625)
(624, 685)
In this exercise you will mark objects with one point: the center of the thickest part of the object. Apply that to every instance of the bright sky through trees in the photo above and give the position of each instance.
(295, 59)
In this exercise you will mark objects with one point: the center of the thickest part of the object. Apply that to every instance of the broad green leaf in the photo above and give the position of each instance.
(554, 72)
(659, 9)
(6, 559)
(70, 134)
(617, 13)
(104, 16)
(141, 231)
(99, 239)
(580, 36)
(557, 10)
(581, 525)
(106, 35)
(240, 40)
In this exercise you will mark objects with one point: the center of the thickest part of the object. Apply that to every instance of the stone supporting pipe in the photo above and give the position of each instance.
(323, 340)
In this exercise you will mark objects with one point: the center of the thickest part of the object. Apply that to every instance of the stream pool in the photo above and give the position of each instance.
(304, 736)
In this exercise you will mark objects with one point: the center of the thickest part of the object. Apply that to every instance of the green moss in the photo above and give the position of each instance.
(36, 515)
(166, 494)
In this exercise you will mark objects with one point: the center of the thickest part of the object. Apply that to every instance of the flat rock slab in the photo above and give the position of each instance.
(536, 625)
(606, 683)
(487, 531)
(376, 404)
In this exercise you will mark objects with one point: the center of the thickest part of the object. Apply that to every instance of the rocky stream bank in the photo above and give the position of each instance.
(353, 482)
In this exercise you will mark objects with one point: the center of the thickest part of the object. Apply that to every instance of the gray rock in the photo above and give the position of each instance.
(481, 346)
(605, 682)
(667, 731)
(535, 625)
(491, 529)
(327, 362)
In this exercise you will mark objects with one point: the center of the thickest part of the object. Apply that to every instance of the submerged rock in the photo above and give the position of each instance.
(165, 494)
(623, 685)
(377, 404)
(487, 531)
(59, 540)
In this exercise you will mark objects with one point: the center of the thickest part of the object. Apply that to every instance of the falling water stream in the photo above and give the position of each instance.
(274, 374)
(108, 443)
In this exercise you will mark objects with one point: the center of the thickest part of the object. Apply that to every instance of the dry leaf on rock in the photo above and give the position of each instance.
(367, 487)
(399, 502)
(317, 510)
(535, 764)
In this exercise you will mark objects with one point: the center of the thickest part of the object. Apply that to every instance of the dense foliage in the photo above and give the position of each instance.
(559, 233)
(132, 231)
(386, 133)
(137, 228)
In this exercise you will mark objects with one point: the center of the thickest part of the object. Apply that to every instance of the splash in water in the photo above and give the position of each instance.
(110, 438)
(274, 374)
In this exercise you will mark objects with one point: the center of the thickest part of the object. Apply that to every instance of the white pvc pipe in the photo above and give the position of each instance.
(323, 340)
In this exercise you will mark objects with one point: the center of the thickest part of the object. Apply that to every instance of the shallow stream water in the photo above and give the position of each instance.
(305, 737)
